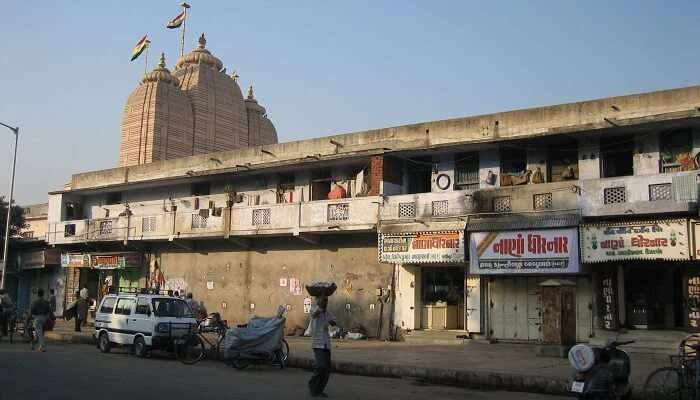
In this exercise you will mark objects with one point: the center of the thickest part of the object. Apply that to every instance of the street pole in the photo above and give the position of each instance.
(9, 208)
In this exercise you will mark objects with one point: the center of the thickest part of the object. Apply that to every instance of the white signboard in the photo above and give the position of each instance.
(646, 240)
(421, 247)
(545, 251)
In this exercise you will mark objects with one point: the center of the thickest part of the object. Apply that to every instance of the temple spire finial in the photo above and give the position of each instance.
(161, 64)
(251, 95)
(235, 76)
(202, 41)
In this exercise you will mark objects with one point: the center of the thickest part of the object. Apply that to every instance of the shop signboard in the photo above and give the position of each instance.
(695, 229)
(75, 260)
(608, 301)
(33, 259)
(693, 302)
(422, 247)
(115, 261)
(645, 240)
(545, 251)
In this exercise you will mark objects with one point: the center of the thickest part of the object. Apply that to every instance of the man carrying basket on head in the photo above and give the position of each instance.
(321, 318)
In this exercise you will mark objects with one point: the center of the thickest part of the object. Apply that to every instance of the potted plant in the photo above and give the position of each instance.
(230, 195)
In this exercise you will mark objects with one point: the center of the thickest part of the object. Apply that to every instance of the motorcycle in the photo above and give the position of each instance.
(600, 373)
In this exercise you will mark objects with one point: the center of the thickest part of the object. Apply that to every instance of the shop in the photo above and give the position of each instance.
(517, 266)
(101, 273)
(34, 269)
(642, 273)
(429, 277)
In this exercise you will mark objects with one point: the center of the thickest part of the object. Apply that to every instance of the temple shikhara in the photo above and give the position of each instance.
(195, 109)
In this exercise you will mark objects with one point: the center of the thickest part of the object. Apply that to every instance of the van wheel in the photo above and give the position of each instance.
(103, 343)
(140, 349)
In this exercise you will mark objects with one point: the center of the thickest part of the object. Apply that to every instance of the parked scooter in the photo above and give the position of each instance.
(260, 341)
(600, 373)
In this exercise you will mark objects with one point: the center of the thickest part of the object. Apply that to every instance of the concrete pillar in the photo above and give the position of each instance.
(588, 159)
(646, 154)
(489, 160)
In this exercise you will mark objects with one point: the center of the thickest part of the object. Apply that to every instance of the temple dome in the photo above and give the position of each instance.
(200, 55)
(160, 73)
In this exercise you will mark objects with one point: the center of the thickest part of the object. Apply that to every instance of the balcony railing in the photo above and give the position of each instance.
(358, 213)
(426, 205)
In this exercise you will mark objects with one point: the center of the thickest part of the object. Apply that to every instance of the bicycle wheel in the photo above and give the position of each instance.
(284, 350)
(190, 351)
(665, 383)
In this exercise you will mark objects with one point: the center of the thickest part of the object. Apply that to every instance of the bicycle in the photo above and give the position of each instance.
(191, 349)
(681, 380)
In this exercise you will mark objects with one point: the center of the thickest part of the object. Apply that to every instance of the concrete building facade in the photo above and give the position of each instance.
(527, 225)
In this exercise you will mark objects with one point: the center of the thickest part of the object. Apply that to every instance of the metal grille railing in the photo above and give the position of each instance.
(148, 224)
(199, 221)
(407, 210)
(261, 216)
(501, 204)
(614, 195)
(440, 208)
(661, 191)
(339, 212)
(542, 201)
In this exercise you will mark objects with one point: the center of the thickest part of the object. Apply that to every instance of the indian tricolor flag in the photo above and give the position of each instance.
(140, 47)
(177, 21)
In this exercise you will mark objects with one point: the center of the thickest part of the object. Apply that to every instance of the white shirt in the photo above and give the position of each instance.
(320, 339)
(84, 293)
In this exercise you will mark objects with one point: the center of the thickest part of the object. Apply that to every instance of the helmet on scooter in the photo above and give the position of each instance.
(581, 357)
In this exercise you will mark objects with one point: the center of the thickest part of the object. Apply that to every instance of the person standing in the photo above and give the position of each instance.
(52, 300)
(41, 312)
(321, 346)
(6, 308)
(81, 309)
(194, 306)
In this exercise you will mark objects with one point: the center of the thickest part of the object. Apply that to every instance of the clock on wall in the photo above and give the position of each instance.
(443, 181)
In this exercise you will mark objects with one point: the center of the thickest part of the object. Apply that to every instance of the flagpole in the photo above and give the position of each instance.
(145, 67)
(185, 6)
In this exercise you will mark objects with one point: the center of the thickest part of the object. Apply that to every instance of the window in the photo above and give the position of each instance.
(170, 307)
(108, 305)
(676, 151)
(142, 306)
(419, 171)
(124, 306)
(71, 211)
(513, 161)
(200, 189)
(467, 171)
(563, 163)
(614, 195)
(285, 191)
(407, 210)
(616, 155)
(69, 230)
(320, 184)
(113, 198)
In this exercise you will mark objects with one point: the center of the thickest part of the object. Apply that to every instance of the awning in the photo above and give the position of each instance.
(511, 222)
(411, 226)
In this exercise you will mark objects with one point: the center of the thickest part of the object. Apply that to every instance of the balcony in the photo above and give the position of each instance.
(674, 192)
(351, 214)
(422, 206)
(67, 232)
(268, 219)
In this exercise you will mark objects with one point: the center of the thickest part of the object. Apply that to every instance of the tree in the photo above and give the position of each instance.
(16, 222)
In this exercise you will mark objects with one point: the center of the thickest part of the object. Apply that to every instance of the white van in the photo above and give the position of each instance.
(143, 321)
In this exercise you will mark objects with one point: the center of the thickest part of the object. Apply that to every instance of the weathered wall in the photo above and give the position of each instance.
(243, 277)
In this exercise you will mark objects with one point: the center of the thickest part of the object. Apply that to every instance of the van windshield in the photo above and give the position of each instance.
(171, 308)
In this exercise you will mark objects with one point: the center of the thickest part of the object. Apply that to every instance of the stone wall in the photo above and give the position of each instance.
(241, 283)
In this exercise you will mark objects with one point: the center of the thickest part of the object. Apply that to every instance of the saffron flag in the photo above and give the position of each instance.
(140, 47)
(177, 21)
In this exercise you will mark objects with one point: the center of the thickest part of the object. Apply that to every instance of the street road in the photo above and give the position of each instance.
(79, 372)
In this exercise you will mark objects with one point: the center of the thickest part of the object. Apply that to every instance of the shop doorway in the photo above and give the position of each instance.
(442, 298)
(653, 297)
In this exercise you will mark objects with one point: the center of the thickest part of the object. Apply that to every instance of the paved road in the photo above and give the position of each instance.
(79, 372)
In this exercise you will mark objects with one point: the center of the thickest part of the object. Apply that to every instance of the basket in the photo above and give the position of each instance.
(317, 289)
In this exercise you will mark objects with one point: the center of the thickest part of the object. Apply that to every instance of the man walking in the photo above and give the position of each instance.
(321, 345)
(6, 308)
(41, 311)
(81, 310)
